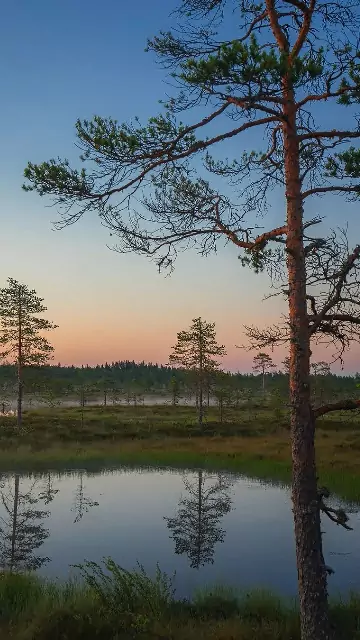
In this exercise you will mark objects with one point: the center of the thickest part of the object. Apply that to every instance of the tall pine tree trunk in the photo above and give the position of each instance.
(312, 579)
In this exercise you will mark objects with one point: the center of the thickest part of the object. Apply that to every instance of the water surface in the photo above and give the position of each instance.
(208, 527)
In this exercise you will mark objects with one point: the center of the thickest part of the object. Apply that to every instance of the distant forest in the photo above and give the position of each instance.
(129, 379)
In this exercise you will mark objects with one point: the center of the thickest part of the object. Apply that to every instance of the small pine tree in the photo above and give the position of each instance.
(223, 392)
(21, 330)
(175, 390)
(196, 350)
(263, 364)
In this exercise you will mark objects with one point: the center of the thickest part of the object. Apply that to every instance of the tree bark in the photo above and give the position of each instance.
(312, 578)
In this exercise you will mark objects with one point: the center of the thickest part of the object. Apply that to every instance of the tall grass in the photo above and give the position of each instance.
(123, 592)
(110, 603)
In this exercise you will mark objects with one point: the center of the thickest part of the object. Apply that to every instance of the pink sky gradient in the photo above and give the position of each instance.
(114, 307)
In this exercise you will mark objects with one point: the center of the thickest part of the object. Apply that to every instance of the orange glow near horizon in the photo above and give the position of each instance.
(93, 347)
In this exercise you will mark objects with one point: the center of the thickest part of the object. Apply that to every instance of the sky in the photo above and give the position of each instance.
(62, 61)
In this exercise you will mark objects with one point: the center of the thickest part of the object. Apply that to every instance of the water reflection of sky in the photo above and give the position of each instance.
(129, 524)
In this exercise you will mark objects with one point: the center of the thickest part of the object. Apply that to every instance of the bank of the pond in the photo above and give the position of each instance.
(267, 459)
(254, 443)
(131, 604)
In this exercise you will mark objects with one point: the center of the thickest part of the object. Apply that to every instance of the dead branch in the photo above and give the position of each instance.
(336, 515)
(334, 299)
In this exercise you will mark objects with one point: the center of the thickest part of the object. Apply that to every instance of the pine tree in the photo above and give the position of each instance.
(21, 329)
(223, 391)
(263, 364)
(174, 387)
(195, 351)
(277, 70)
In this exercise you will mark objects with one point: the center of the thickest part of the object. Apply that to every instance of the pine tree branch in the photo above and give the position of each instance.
(258, 242)
(300, 5)
(279, 34)
(250, 103)
(331, 188)
(325, 96)
(338, 317)
(335, 515)
(165, 155)
(305, 28)
(342, 405)
(335, 133)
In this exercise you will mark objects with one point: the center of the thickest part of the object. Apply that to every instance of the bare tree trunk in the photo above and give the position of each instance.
(19, 364)
(14, 523)
(201, 378)
(199, 532)
(201, 404)
(105, 397)
(312, 579)
(19, 398)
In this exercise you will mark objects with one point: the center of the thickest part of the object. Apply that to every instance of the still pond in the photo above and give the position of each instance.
(207, 527)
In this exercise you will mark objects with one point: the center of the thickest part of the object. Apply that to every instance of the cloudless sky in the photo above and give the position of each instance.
(64, 60)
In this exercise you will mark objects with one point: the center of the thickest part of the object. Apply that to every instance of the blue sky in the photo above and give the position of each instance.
(61, 61)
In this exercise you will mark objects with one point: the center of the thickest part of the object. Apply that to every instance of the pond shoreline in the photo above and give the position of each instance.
(255, 443)
(173, 454)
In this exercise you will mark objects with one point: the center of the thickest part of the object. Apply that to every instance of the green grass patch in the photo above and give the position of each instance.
(111, 603)
(252, 442)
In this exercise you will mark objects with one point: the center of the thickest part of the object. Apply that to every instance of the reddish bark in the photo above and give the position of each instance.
(312, 576)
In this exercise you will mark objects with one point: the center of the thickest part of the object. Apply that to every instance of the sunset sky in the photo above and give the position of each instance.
(64, 60)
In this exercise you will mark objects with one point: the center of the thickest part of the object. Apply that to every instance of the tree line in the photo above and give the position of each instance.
(193, 369)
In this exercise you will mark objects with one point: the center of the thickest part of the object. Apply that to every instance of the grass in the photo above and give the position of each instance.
(111, 603)
(253, 442)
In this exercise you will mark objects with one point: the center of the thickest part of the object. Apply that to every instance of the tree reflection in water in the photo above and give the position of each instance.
(82, 502)
(195, 527)
(22, 530)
